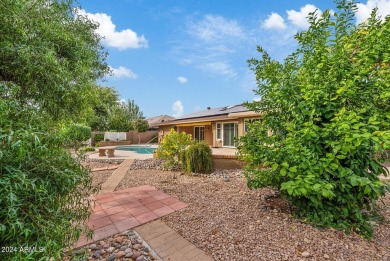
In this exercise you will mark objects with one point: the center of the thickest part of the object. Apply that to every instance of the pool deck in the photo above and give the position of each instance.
(124, 154)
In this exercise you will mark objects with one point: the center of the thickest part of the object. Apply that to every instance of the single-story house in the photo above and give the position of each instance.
(154, 121)
(218, 127)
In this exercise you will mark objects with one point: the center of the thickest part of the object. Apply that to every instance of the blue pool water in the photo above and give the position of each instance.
(138, 149)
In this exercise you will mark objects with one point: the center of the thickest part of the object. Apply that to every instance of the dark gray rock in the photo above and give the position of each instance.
(97, 254)
(145, 249)
(111, 257)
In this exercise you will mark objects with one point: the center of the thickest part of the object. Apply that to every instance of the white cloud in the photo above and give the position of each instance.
(182, 79)
(364, 10)
(299, 18)
(214, 27)
(210, 44)
(198, 108)
(256, 99)
(274, 21)
(123, 72)
(122, 40)
(221, 68)
(177, 109)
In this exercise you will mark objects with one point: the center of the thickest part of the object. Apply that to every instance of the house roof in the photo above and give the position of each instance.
(215, 112)
(221, 113)
(154, 121)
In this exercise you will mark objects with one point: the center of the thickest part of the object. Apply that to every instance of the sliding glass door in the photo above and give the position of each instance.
(199, 133)
(230, 132)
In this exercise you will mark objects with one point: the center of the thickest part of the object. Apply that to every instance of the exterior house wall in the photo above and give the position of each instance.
(186, 129)
(211, 130)
(208, 135)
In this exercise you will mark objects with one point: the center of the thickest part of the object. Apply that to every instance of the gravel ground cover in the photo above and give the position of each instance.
(230, 222)
(124, 246)
(99, 177)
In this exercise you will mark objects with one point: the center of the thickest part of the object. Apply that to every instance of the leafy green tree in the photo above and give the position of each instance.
(134, 111)
(119, 119)
(50, 59)
(328, 108)
(48, 51)
(140, 125)
(106, 100)
(124, 116)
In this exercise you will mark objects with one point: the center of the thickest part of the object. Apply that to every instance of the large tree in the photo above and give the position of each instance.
(51, 54)
(50, 59)
(105, 102)
(328, 108)
(125, 116)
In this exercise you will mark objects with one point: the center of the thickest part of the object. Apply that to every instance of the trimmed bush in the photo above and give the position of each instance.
(197, 158)
(99, 137)
(86, 149)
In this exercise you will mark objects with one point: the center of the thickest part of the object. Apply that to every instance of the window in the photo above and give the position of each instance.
(199, 133)
(247, 122)
(219, 131)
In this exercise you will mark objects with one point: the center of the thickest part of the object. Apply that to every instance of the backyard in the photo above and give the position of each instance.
(230, 222)
(293, 171)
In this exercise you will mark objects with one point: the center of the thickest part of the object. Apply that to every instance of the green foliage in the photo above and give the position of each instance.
(140, 125)
(75, 134)
(105, 101)
(171, 147)
(48, 51)
(197, 158)
(50, 59)
(328, 108)
(85, 149)
(99, 137)
(43, 189)
(125, 116)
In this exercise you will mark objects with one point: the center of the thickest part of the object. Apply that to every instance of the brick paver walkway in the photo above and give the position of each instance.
(125, 209)
(116, 177)
(168, 244)
(121, 210)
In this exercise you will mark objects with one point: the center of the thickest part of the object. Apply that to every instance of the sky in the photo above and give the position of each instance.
(176, 57)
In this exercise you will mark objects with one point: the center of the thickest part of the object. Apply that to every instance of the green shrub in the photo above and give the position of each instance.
(83, 150)
(328, 107)
(75, 134)
(43, 189)
(171, 147)
(99, 137)
(197, 158)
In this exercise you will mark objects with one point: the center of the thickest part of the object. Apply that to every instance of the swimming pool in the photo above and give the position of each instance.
(140, 149)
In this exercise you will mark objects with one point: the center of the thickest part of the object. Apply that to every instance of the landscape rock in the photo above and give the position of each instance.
(136, 254)
(141, 258)
(120, 254)
(137, 246)
(97, 254)
(111, 257)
